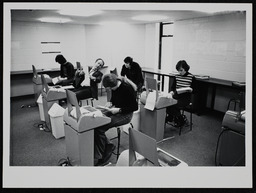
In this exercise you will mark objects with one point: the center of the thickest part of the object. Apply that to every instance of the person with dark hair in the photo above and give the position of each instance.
(120, 109)
(132, 71)
(183, 96)
(67, 71)
(84, 91)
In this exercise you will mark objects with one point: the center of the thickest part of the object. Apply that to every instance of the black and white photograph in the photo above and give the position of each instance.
(127, 95)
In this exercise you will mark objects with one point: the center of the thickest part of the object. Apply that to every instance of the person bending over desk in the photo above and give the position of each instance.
(67, 72)
(83, 89)
(120, 109)
(132, 71)
(181, 90)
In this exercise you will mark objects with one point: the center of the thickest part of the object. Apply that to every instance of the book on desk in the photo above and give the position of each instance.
(203, 77)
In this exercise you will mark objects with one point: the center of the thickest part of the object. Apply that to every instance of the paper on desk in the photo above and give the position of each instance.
(151, 101)
(55, 80)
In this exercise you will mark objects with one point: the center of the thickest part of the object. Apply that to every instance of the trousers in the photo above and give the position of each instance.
(83, 92)
(182, 101)
(100, 139)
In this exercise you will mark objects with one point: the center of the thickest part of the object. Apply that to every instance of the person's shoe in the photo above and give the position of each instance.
(178, 121)
(169, 119)
(108, 152)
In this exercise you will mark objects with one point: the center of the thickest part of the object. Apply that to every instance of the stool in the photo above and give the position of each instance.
(81, 102)
(118, 137)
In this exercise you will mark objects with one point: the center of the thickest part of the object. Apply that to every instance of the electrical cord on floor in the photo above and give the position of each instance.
(28, 106)
(42, 126)
(216, 152)
(64, 162)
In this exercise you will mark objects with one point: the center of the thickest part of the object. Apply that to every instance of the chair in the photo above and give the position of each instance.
(240, 100)
(78, 65)
(143, 151)
(118, 137)
(141, 146)
(81, 102)
(189, 123)
(114, 71)
(230, 149)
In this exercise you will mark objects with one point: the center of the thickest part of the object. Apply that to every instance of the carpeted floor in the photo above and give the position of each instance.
(30, 146)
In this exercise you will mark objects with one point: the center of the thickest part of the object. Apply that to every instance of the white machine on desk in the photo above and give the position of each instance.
(37, 82)
(51, 95)
(143, 151)
(153, 110)
(230, 149)
(79, 124)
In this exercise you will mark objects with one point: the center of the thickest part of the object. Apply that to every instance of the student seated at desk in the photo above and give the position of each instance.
(120, 109)
(181, 90)
(88, 89)
(67, 72)
(132, 71)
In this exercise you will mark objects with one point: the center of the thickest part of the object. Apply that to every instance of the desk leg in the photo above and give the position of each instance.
(199, 98)
(79, 146)
(213, 97)
(152, 123)
(162, 83)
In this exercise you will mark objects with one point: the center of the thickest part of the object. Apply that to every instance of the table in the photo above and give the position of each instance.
(160, 73)
(205, 89)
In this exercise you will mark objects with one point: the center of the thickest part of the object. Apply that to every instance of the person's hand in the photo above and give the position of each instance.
(115, 110)
(81, 73)
(170, 95)
(92, 77)
(108, 105)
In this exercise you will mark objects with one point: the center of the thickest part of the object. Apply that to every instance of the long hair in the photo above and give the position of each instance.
(60, 59)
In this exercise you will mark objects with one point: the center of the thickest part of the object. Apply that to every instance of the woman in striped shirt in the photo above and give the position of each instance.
(181, 90)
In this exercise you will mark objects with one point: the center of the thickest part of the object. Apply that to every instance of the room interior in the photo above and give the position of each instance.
(213, 42)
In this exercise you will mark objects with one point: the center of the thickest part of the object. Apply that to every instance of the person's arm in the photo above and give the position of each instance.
(127, 80)
(123, 71)
(140, 77)
(70, 75)
(97, 77)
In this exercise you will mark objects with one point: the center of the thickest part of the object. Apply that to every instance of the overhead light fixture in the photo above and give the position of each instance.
(112, 23)
(80, 12)
(150, 17)
(54, 20)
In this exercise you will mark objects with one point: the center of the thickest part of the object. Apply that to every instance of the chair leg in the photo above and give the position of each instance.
(190, 121)
(118, 142)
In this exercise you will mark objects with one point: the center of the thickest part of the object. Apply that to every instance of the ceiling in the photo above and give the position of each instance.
(112, 13)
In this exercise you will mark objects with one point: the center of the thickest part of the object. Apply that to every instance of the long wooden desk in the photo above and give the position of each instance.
(21, 81)
(205, 89)
(160, 73)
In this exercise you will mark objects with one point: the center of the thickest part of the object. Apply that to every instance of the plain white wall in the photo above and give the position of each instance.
(26, 38)
(83, 43)
(212, 46)
(113, 44)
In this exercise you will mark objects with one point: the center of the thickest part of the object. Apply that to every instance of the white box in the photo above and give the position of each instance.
(41, 108)
(56, 113)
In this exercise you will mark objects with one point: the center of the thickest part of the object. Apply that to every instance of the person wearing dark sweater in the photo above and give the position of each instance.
(132, 71)
(120, 109)
(67, 71)
(95, 76)
(182, 80)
